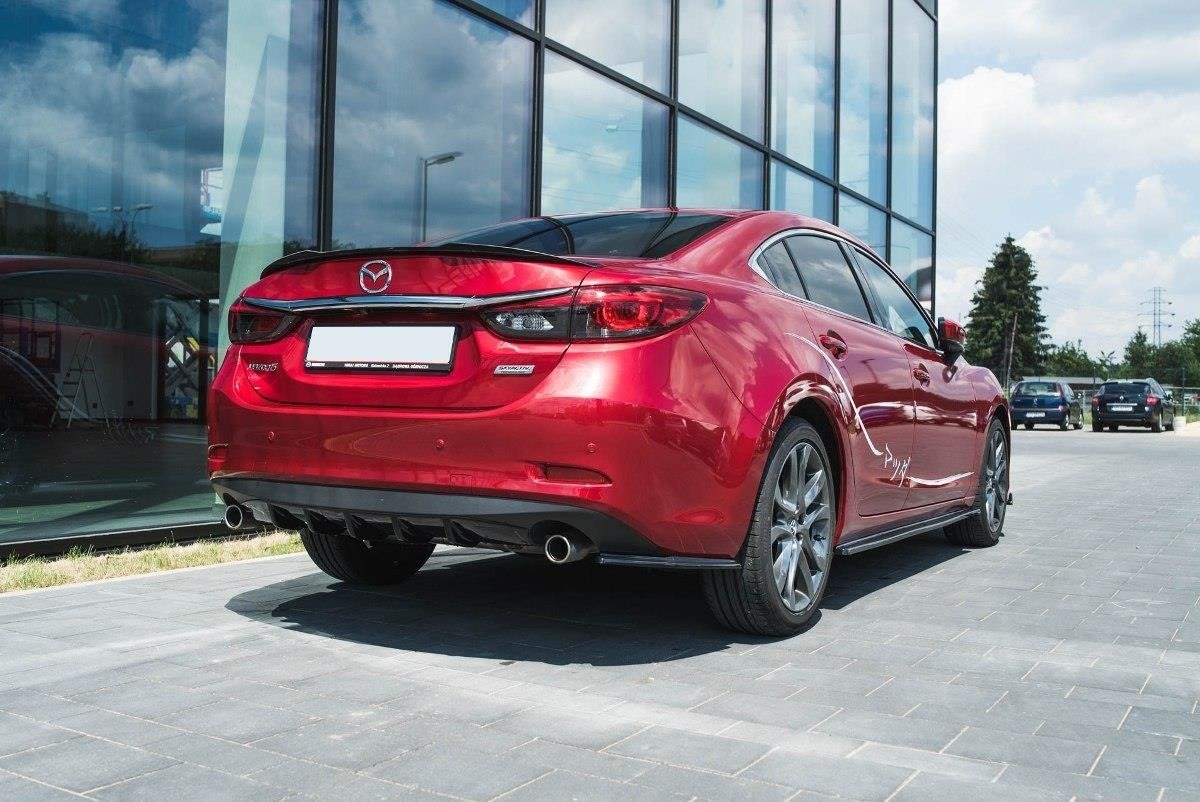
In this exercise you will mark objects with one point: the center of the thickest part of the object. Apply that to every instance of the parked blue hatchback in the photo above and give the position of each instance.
(1046, 402)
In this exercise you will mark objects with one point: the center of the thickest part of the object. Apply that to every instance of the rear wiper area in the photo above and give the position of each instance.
(442, 249)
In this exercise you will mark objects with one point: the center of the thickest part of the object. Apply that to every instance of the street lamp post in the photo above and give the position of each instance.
(426, 163)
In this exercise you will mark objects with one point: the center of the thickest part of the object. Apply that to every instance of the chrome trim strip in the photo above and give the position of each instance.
(889, 536)
(450, 303)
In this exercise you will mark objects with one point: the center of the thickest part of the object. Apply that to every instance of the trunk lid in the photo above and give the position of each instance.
(378, 296)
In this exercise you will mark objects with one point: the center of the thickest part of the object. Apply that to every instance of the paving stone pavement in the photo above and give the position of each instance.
(1062, 664)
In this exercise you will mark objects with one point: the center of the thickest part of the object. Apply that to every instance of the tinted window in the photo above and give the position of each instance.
(896, 309)
(827, 276)
(778, 266)
(1036, 388)
(1126, 388)
(638, 234)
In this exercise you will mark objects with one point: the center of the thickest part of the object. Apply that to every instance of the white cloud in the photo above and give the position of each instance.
(1089, 149)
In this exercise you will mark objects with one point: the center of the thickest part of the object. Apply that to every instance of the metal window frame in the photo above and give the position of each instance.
(542, 44)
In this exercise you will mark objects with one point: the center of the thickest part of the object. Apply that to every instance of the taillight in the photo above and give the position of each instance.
(250, 325)
(1151, 400)
(620, 312)
(1095, 400)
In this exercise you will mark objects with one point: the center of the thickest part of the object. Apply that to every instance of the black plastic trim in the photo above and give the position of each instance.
(450, 249)
(517, 517)
(898, 533)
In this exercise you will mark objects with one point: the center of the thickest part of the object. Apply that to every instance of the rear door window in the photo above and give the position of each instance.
(827, 275)
(780, 269)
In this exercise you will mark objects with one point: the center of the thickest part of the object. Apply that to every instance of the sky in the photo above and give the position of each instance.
(1073, 125)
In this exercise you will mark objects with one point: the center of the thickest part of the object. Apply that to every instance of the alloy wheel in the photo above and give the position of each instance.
(802, 527)
(995, 481)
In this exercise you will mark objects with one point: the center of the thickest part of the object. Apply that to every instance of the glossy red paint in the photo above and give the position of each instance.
(668, 434)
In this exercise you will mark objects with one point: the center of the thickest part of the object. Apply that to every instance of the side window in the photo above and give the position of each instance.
(827, 276)
(776, 263)
(899, 312)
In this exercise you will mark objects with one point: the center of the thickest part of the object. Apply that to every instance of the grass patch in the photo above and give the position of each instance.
(85, 565)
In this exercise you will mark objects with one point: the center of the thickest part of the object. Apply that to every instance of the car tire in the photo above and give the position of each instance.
(788, 552)
(1156, 424)
(1079, 422)
(986, 522)
(1028, 426)
(1065, 423)
(1097, 427)
(1170, 427)
(1112, 427)
(353, 562)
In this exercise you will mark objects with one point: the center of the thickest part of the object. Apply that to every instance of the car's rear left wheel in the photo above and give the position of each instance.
(789, 549)
(352, 561)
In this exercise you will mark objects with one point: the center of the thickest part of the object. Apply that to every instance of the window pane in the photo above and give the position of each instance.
(827, 275)
(865, 222)
(864, 128)
(793, 191)
(519, 10)
(603, 146)
(631, 36)
(912, 113)
(777, 264)
(715, 171)
(900, 314)
(153, 156)
(432, 122)
(912, 259)
(642, 234)
(722, 57)
(802, 79)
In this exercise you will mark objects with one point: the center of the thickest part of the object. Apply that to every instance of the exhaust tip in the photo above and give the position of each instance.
(562, 549)
(235, 517)
(558, 549)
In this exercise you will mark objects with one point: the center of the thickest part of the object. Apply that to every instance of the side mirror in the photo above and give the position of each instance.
(952, 338)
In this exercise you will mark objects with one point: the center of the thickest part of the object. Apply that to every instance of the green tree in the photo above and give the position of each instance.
(1069, 359)
(1139, 355)
(1007, 304)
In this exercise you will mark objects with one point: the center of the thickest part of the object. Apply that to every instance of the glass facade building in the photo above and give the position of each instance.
(154, 156)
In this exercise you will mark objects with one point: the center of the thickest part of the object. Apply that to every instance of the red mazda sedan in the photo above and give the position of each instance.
(741, 393)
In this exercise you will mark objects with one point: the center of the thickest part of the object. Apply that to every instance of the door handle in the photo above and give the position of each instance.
(921, 374)
(833, 344)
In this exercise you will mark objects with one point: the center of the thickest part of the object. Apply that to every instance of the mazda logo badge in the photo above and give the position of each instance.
(375, 277)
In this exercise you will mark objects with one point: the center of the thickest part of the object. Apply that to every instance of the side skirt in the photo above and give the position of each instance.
(681, 563)
(904, 531)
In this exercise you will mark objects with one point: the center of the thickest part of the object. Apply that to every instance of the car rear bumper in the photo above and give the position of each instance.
(665, 467)
(1039, 415)
(1130, 418)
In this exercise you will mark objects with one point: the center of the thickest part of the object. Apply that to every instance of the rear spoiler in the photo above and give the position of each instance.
(448, 249)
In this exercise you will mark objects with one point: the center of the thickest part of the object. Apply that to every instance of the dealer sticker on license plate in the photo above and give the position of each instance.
(1120, 407)
(388, 348)
(1035, 414)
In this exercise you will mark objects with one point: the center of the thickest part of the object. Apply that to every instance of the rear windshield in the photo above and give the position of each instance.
(1036, 388)
(649, 235)
(1126, 388)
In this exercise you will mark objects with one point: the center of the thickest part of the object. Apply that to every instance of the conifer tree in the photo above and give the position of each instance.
(1007, 308)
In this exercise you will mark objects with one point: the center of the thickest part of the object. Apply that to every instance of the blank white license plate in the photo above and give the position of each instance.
(1035, 414)
(423, 348)
(1120, 407)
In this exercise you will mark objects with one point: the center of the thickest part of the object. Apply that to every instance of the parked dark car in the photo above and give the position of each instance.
(1137, 402)
(1037, 402)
